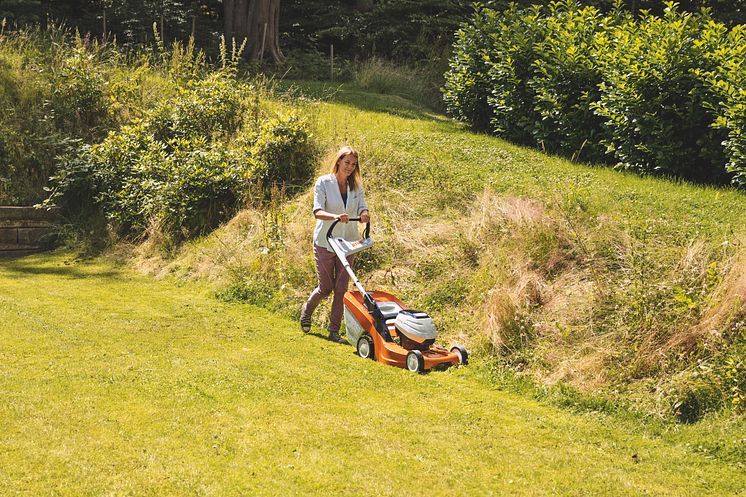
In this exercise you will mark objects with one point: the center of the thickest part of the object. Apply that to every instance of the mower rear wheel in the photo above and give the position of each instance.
(463, 355)
(365, 347)
(415, 361)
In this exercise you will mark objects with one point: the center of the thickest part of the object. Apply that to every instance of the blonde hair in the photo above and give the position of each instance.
(354, 180)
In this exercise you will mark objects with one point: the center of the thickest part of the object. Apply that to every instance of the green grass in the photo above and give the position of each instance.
(422, 141)
(644, 260)
(640, 244)
(118, 384)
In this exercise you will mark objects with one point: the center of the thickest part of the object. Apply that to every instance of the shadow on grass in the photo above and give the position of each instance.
(346, 94)
(41, 265)
(324, 335)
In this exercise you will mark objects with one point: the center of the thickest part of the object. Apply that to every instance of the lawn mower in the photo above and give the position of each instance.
(382, 328)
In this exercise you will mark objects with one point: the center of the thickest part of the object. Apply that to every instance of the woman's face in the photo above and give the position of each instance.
(347, 164)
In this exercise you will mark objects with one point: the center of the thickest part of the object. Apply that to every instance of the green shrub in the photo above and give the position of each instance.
(659, 95)
(652, 101)
(727, 52)
(511, 57)
(188, 164)
(565, 83)
(78, 99)
(467, 82)
(281, 151)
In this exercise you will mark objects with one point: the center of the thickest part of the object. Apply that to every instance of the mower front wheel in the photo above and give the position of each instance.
(463, 355)
(415, 361)
(365, 347)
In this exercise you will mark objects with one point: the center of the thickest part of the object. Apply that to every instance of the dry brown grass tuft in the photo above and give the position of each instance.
(150, 253)
(390, 279)
(521, 211)
(568, 302)
(507, 308)
(584, 368)
(727, 306)
(215, 258)
(563, 321)
(695, 259)
(229, 249)
(546, 305)
(490, 208)
(500, 311)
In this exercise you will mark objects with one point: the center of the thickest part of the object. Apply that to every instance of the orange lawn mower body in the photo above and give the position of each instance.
(382, 328)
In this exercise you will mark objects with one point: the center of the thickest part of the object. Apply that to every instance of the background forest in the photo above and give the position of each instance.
(407, 30)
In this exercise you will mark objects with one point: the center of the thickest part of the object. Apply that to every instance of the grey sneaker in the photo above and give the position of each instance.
(305, 322)
(334, 337)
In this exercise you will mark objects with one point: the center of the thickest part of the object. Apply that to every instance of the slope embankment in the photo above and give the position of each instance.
(571, 274)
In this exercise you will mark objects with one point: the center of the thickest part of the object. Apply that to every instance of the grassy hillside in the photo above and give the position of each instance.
(608, 282)
(567, 274)
(114, 383)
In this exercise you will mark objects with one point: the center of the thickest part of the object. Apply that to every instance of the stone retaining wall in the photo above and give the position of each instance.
(25, 229)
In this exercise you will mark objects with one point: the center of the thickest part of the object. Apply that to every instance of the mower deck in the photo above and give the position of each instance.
(391, 352)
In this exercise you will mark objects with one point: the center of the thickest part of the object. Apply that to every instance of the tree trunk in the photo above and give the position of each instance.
(228, 6)
(44, 15)
(257, 22)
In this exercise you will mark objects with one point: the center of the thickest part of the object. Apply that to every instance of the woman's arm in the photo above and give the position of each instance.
(328, 216)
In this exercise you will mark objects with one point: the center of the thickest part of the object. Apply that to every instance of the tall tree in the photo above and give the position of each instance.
(256, 22)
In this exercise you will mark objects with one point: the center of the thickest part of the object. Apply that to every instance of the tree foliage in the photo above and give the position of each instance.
(131, 21)
(653, 94)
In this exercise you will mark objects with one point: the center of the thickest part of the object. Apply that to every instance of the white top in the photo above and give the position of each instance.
(326, 196)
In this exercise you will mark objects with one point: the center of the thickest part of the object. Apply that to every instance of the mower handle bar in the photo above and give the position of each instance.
(365, 235)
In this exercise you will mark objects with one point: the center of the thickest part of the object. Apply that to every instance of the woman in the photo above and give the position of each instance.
(338, 195)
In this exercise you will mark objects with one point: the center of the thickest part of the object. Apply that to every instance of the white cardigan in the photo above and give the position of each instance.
(326, 196)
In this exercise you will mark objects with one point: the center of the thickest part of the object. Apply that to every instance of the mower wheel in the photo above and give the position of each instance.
(365, 347)
(415, 361)
(463, 355)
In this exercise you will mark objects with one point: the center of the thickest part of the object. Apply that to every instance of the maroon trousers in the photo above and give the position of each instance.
(332, 278)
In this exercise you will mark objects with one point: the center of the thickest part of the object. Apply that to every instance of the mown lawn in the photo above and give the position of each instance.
(117, 384)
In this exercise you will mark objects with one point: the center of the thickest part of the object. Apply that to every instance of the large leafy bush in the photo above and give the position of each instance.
(188, 164)
(727, 51)
(467, 82)
(565, 82)
(511, 55)
(659, 95)
(653, 102)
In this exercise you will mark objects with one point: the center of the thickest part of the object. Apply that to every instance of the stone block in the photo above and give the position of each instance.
(27, 214)
(8, 236)
(32, 236)
(24, 223)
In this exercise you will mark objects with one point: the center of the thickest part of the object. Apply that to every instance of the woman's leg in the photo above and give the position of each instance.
(325, 273)
(341, 280)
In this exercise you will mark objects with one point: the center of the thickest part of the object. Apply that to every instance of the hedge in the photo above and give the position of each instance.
(656, 95)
